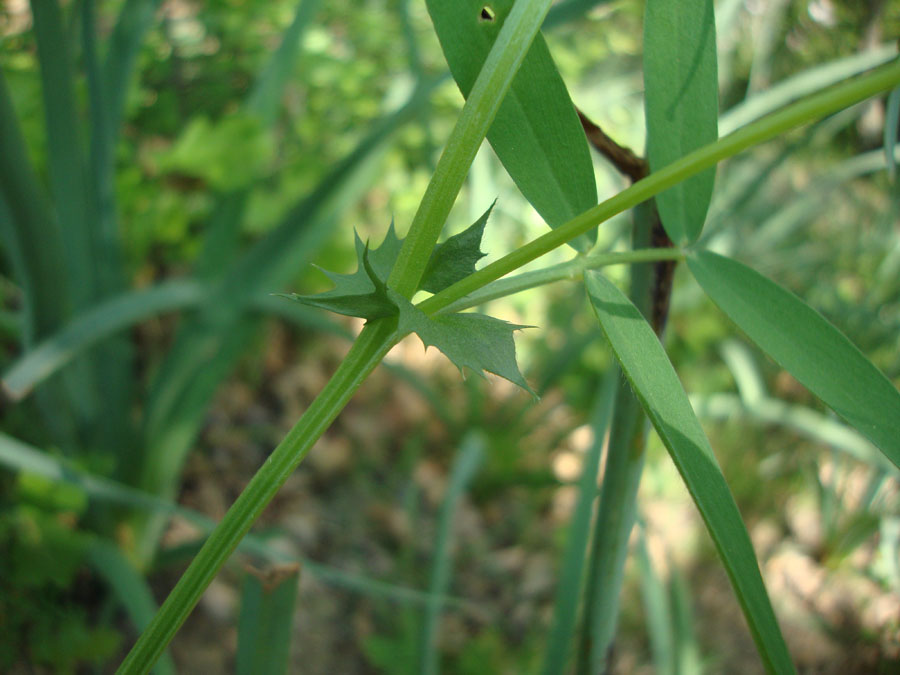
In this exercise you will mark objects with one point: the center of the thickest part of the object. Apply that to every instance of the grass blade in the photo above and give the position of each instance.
(30, 233)
(891, 122)
(130, 587)
(92, 326)
(536, 133)
(471, 454)
(19, 456)
(221, 244)
(66, 159)
(803, 84)
(657, 609)
(804, 343)
(133, 22)
(266, 620)
(810, 423)
(565, 611)
(656, 385)
(682, 104)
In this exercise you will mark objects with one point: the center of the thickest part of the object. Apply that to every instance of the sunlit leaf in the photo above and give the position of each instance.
(656, 385)
(681, 101)
(474, 341)
(455, 258)
(536, 133)
(804, 343)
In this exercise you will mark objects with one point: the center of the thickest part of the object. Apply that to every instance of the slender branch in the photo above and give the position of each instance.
(572, 269)
(817, 106)
(624, 159)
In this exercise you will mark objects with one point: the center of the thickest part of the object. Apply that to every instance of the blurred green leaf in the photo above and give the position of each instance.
(682, 102)
(466, 464)
(536, 133)
(656, 385)
(130, 587)
(806, 345)
(266, 620)
(226, 154)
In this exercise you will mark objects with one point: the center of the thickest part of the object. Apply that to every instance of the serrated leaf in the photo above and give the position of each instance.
(362, 293)
(536, 133)
(681, 101)
(474, 341)
(804, 343)
(657, 387)
(455, 259)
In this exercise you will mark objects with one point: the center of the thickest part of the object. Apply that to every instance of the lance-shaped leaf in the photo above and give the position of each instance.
(657, 387)
(536, 133)
(681, 101)
(474, 341)
(804, 343)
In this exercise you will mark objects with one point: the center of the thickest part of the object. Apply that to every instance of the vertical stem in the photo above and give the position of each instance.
(482, 105)
(618, 497)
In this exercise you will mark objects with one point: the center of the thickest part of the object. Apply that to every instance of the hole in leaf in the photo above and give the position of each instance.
(487, 13)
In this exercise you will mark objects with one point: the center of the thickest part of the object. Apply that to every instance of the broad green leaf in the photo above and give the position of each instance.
(656, 385)
(266, 619)
(806, 345)
(536, 133)
(474, 341)
(456, 257)
(681, 100)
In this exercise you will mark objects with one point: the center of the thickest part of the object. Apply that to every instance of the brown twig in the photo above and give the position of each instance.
(621, 157)
(636, 168)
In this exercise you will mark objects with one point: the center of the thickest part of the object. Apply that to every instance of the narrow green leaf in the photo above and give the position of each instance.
(266, 620)
(536, 133)
(92, 326)
(66, 159)
(134, 20)
(466, 464)
(265, 99)
(682, 103)
(891, 120)
(656, 385)
(455, 258)
(474, 341)
(29, 229)
(803, 342)
(130, 588)
(18, 456)
(578, 542)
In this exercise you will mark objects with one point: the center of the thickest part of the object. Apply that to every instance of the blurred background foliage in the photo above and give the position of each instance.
(815, 210)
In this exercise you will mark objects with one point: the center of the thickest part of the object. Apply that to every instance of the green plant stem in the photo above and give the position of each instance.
(377, 338)
(618, 494)
(817, 106)
(370, 347)
(367, 352)
(481, 107)
(571, 269)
